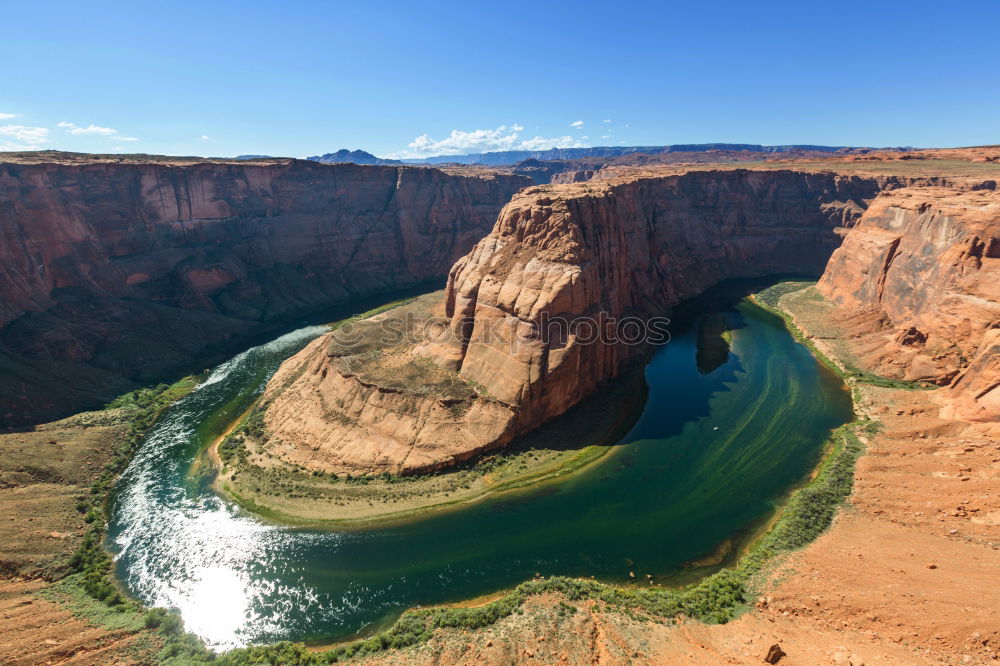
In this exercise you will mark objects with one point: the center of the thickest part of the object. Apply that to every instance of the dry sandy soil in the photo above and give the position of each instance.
(43, 472)
(34, 630)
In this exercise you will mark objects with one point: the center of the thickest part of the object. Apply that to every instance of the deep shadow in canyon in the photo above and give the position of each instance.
(119, 275)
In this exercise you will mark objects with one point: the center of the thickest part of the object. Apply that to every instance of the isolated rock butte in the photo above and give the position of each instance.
(605, 251)
(112, 274)
(920, 275)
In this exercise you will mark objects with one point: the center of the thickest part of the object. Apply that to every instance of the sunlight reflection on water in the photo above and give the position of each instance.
(207, 568)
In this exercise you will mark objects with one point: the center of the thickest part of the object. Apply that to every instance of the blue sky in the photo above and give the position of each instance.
(418, 78)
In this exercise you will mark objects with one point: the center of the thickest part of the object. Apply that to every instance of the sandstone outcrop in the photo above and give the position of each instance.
(367, 402)
(920, 277)
(116, 273)
(585, 255)
(615, 250)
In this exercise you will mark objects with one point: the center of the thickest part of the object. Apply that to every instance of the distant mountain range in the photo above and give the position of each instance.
(351, 156)
(513, 156)
(508, 157)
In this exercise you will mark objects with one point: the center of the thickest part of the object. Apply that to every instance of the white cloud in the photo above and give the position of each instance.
(94, 129)
(606, 136)
(460, 141)
(482, 140)
(204, 137)
(606, 121)
(7, 116)
(577, 124)
(541, 143)
(28, 138)
(97, 130)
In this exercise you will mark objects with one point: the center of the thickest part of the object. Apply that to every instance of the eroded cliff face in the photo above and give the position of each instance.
(565, 263)
(368, 402)
(920, 277)
(614, 250)
(112, 274)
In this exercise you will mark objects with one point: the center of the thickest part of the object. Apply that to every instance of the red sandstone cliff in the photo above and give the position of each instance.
(376, 405)
(601, 250)
(920, 274)
(114, 273)
(616, 249)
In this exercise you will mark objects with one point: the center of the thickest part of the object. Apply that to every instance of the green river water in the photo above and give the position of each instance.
(722, 439)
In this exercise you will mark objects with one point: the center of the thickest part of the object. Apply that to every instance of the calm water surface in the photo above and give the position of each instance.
(710, 456)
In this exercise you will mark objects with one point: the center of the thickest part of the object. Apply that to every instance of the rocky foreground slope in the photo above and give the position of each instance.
(117, 273)
(562, 263)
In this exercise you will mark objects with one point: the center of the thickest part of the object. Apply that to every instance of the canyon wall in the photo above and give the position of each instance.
(117, 274)
(919, 276)
(613, 250)
(585, 254)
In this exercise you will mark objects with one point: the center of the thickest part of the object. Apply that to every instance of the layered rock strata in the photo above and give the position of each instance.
(112, 274)
(563, 263)
(919, 276)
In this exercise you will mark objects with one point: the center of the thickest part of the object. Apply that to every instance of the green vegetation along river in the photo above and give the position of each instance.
(724, 436)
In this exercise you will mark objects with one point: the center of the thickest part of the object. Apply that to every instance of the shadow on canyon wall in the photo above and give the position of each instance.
(119, 275)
